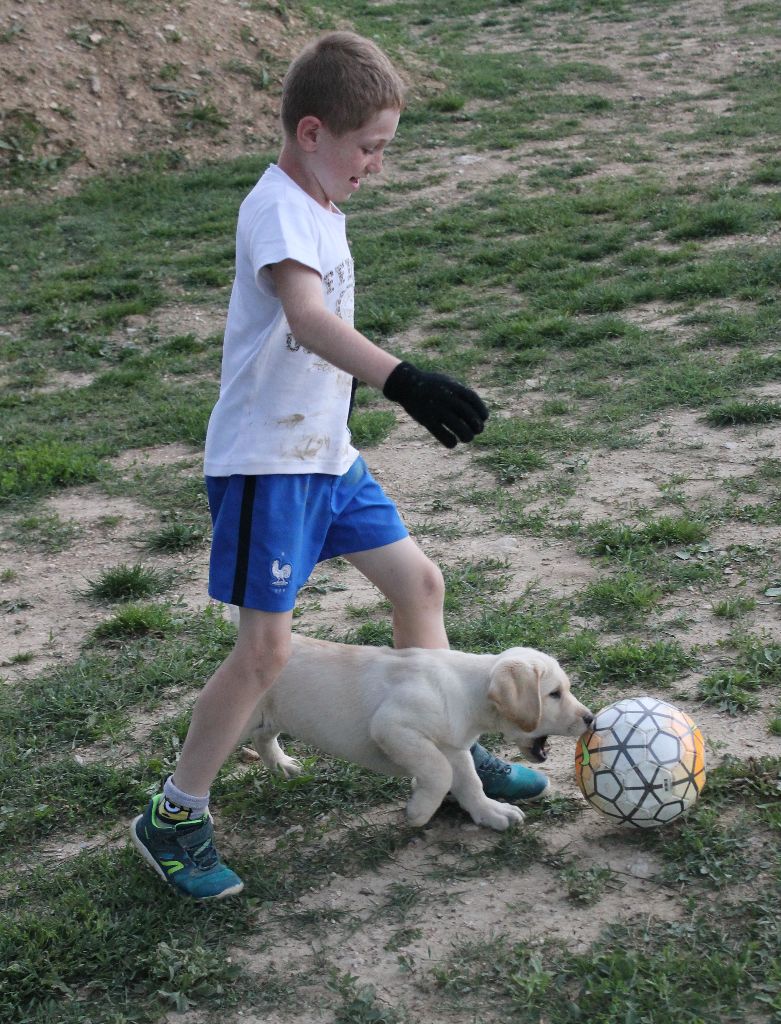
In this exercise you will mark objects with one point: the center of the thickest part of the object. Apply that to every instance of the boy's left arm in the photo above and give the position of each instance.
(300, 291)
(450, 411)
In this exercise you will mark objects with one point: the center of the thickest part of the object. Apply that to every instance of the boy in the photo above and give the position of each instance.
(286, 488)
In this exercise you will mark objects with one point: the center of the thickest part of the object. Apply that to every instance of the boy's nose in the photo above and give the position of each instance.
(375, 164)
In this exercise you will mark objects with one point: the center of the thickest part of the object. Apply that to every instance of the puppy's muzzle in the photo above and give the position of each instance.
(539, 750)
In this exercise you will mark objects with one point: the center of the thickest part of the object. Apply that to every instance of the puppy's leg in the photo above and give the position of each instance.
(419, 758)
(468, 790)
(272, 755)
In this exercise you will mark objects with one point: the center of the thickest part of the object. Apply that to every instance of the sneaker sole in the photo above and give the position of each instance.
(150, 861)
(525, 799)
(542, 793)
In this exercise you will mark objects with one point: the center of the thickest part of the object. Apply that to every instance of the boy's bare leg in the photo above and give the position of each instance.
(414, 586)
(229, 697)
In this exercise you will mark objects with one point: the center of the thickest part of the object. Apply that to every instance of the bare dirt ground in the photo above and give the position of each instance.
(108, 80)
(119, 82)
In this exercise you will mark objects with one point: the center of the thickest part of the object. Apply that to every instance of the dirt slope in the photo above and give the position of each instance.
(93, 82)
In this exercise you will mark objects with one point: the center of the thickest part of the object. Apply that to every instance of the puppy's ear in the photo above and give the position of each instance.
(515, 692)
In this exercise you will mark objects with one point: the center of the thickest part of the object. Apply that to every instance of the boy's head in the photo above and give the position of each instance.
(343, 80)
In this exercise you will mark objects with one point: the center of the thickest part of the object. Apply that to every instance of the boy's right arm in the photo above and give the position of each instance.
(449, 410)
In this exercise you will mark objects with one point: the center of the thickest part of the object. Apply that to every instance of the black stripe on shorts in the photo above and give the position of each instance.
(245, 538)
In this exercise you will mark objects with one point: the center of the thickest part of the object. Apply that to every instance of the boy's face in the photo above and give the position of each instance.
(340, 162)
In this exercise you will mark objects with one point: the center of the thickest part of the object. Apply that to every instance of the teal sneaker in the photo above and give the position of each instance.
(503, 781)
(184, 854)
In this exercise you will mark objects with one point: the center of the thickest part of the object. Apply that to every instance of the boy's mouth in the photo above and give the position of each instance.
(355, 182)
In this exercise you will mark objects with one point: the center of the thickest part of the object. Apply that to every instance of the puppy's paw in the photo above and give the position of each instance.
(419, 811)
(497, 815)
(288, 766)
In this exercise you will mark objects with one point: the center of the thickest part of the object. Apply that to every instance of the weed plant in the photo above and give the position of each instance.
(128, 583)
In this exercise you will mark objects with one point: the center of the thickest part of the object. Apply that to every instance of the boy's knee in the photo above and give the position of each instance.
(275, 657)
(431, 583)
(263, 658)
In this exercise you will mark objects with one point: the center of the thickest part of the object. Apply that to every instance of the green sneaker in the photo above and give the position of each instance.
(507, 781)
(184, 854)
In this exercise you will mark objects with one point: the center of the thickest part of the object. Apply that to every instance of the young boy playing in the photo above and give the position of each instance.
(286, 488)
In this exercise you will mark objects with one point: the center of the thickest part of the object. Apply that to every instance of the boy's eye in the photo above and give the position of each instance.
(368, 152)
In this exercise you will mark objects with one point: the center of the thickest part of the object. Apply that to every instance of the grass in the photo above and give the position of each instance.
(128, 583)
(43, 531)
(602, 276)
(736, 413)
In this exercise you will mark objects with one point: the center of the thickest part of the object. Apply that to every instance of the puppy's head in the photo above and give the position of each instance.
(531, 695)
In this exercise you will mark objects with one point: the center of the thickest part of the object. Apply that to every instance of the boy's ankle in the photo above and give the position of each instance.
(176, 807)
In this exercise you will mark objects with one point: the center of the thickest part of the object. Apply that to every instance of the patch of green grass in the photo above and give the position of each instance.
(767, 172)
(513, 850)
(629, 663)
(622, 598)
(741, 329)
(62, 796)
(361, 1004)
(531, 620)
(21, 658)
(96, 919)
(326, 786)
(469, 585)
(753, 108)
(129, 583)
(134, 621)
(516, 446)
(727, 215)
(177, 535)
(705, 849)
(760, 655)
(371, 427)
(23, 159)
(730, 690)
(752, 785)
(734, 607)
(32, 469)
(642, 968)
(756, 665)
(43, 531)
(586, 886)
(732, 414)
(621, 541)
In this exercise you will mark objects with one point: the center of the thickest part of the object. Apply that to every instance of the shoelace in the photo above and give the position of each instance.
(494, 766)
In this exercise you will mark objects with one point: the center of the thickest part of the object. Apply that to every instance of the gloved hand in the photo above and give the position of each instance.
(449, 410)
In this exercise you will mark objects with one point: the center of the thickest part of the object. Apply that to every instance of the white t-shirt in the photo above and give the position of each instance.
(282, 409)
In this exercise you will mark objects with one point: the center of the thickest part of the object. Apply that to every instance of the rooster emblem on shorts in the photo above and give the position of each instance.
(281, 573)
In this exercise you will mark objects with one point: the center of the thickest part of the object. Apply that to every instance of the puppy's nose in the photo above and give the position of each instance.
(589, 719)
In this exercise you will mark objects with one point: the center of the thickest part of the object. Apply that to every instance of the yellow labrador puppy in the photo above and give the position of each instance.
(416, 713)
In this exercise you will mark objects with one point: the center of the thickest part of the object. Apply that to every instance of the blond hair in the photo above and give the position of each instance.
(342, 79)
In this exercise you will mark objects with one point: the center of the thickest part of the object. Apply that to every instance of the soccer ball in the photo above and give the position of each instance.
(642, 762)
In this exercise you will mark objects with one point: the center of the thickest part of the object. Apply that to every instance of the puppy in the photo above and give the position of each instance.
(416, 713)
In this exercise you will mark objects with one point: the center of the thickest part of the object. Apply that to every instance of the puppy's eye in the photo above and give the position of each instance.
(556, 694)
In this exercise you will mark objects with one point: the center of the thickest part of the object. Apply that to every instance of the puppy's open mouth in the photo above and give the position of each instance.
(540, 748)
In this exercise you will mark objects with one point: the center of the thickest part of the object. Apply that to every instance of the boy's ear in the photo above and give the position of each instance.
(307, 132)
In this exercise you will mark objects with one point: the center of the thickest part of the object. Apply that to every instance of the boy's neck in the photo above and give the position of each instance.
(297, 169)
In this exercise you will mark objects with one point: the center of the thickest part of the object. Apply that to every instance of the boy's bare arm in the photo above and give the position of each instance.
(300, 291)
(449, 410)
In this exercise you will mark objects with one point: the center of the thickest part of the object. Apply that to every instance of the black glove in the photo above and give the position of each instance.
(449, 410)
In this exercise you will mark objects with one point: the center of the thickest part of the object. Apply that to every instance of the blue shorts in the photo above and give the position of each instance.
(270, 531)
